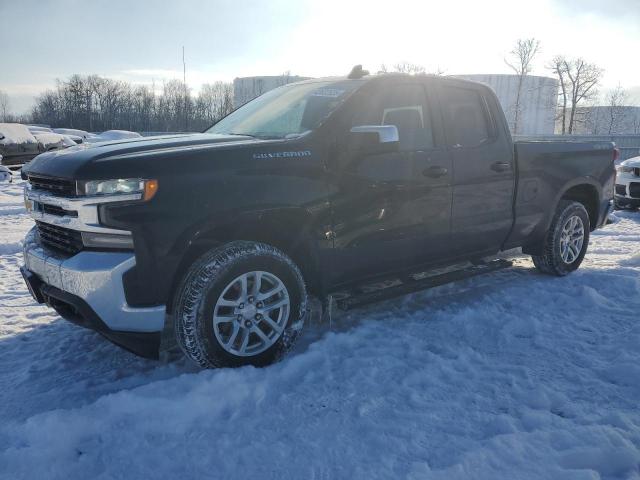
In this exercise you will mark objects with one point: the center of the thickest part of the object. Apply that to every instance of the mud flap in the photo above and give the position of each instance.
(169, 348)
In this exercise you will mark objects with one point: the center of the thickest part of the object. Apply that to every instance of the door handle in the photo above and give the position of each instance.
(500, 166)
(435, 171)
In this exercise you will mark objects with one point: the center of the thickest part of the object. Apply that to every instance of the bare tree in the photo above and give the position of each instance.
(520, 61)
(584, 78)
(578, 84)
(558, 66)
(214, 101)
(5, 105)
(616, 101)
(635, 124)
(410, 68)
(285, 77)
(95, 103)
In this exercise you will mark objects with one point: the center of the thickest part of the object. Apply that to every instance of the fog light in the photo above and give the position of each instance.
(107, 240)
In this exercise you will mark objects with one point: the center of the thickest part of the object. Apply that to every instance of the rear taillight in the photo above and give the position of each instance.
(616, 153)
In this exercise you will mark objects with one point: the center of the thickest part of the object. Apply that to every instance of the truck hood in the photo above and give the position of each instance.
(75, 162)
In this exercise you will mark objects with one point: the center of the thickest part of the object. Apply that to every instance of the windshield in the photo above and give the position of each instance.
(286, 111)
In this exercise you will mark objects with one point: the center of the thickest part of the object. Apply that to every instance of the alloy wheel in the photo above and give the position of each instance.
(571, 239)
(251, 313)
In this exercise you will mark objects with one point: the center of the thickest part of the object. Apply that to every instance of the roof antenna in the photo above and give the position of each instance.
(357, 72)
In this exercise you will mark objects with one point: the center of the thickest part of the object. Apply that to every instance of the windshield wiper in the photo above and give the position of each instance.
(265, 136)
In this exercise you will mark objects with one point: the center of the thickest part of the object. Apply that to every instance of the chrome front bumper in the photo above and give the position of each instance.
(625, 180)
(95, 277)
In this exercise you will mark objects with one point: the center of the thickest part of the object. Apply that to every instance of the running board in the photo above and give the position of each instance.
(346, 300)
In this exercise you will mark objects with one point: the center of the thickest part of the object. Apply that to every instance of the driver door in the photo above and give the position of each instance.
(391, 209)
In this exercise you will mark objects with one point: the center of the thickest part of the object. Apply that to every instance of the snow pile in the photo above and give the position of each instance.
(5, 175)
(633, 261)
(15, 133)
(510, 375)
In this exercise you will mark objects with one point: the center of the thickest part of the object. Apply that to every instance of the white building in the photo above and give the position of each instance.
(537, 105)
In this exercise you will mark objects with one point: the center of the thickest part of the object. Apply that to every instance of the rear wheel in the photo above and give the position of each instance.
(243, 303)
(566, 242)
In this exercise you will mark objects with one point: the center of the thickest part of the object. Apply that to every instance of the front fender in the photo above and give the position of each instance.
(295, 231)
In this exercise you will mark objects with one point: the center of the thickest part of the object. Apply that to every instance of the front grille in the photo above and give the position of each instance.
(60, 238)
(636, 171)
(59, 186)
(634, 190)
(54, 210)
(621, 189)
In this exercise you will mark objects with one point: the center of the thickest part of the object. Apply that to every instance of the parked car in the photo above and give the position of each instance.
(215, 240)
(627, 194)
(73, 133)
(111, 135)
(39, 129)
(49, 137)
(5, 173)
(52, 141)
(17, 145)
(73, 138)
(63, 137)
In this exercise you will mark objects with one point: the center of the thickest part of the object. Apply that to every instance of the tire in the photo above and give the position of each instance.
(557, 260)
(221, 285)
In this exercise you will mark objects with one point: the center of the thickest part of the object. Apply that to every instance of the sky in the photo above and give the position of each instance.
(141, 41)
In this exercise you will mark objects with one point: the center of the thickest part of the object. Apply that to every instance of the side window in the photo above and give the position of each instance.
(402, 105)
(467, 123)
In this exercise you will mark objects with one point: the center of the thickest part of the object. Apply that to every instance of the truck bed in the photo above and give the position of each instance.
(547, 169)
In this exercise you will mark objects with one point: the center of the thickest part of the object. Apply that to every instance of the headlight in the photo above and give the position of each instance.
(624, 169)
(120, 186)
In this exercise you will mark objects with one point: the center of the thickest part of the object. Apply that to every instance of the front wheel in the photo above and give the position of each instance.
(241, 304)
(567, 240)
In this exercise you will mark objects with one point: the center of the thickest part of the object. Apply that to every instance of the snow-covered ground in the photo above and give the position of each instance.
(511, 375)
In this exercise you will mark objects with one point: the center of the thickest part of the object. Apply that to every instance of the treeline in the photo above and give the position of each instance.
(95, 104)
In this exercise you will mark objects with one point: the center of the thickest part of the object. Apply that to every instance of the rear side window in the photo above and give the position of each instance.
(402, 105)
(467, 122)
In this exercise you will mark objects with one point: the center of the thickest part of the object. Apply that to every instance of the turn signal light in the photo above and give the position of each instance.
(150, 189)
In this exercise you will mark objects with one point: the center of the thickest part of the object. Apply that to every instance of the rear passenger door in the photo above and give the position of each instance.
(483, 170)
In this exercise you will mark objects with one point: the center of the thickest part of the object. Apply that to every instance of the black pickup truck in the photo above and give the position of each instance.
(215, 240)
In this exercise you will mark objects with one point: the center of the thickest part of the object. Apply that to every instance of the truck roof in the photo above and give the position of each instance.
(379, 76)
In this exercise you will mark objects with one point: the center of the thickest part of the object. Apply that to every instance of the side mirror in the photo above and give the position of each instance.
(375, 138)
